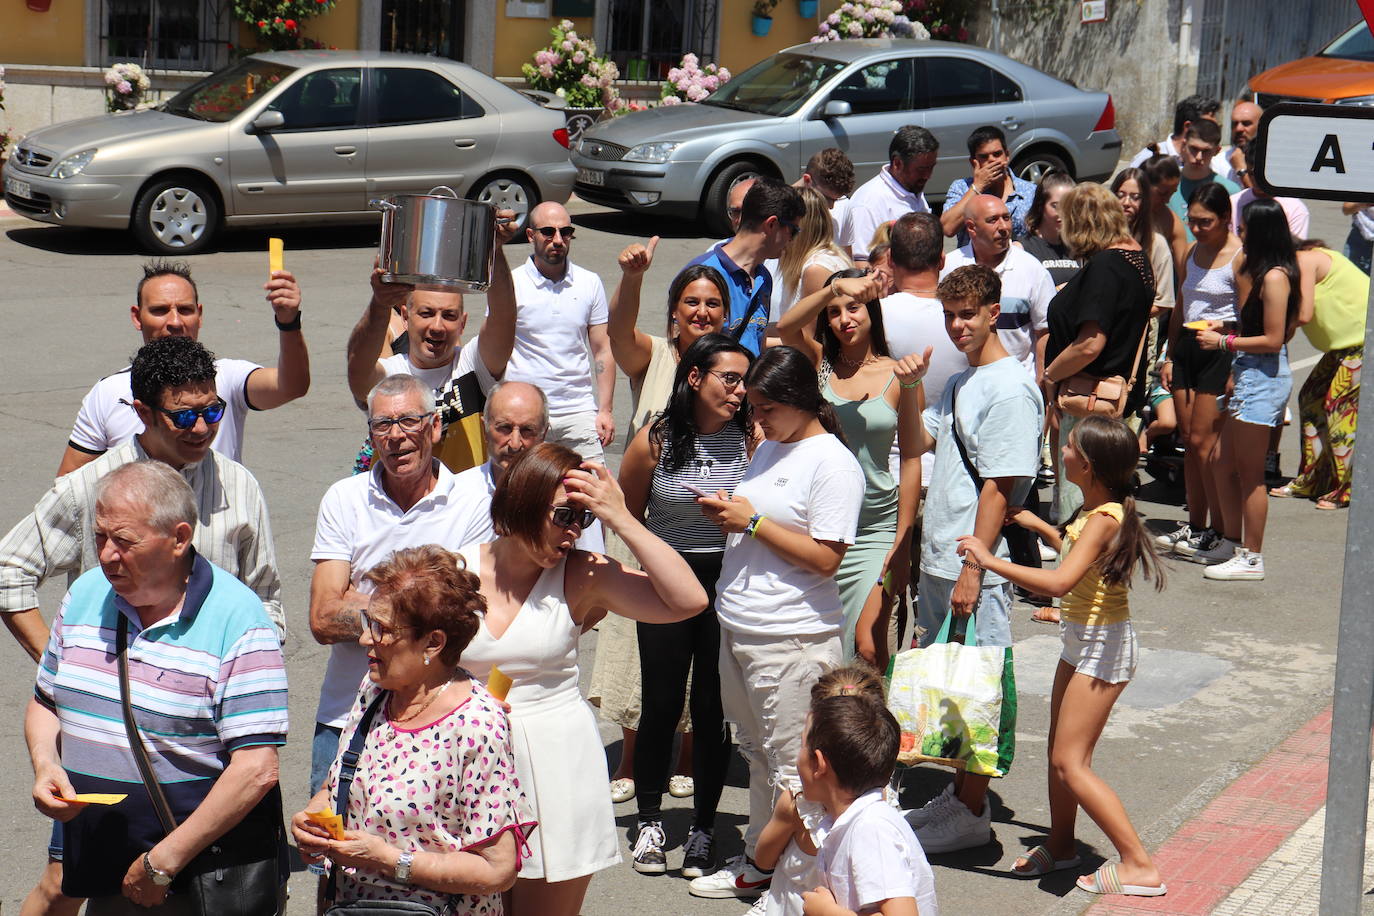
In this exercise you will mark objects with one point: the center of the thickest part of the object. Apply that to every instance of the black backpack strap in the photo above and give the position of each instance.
(959, 442)
(348, 768)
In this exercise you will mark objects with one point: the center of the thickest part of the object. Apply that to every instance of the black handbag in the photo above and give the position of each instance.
(348, 768)
(243, 872)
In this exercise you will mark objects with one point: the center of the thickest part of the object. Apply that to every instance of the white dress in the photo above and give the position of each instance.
(558, 755)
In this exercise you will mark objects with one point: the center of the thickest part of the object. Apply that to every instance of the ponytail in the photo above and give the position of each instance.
(1112, 451)
(831, 421)
(1131, 546)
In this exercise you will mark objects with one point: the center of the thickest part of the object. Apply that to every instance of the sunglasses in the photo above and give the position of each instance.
(380, 632)
(566, 516)
(410, 423)
(185, 418)
(549, 232)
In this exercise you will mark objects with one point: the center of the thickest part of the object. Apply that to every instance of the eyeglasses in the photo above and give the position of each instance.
(733, 212)
(380, 632)
(566, 515)
(185, 417)
(410, 423)
(549, 232)
(730, 380)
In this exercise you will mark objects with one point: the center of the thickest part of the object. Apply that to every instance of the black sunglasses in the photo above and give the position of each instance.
(549, 231)
(566, 515)
(185, 418)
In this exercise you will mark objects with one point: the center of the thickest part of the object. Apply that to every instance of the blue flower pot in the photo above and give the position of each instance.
(761, 25)
(807, 8)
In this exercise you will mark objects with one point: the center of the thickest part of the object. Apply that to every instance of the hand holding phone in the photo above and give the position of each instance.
(698, 490)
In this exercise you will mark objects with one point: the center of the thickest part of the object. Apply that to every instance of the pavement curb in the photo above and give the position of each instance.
(1213, 853)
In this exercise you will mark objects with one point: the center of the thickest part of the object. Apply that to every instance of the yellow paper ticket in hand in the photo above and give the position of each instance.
(329, 821)
(94, 798)
(274, 256)
(498, 685)
(1202, 324)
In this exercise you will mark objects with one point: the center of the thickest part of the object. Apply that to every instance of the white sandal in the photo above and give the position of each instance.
(622, 790)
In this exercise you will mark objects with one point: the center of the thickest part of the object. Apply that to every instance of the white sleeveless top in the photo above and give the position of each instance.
(1209, 294)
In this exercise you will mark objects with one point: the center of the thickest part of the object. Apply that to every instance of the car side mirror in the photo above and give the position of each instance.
(268, 121)
(836, 108)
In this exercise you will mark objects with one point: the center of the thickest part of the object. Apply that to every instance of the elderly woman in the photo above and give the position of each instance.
(541, 594)
(432, 814)
(193, 639)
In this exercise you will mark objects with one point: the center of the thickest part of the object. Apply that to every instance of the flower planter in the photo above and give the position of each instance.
(761, 25)
(807, 8)
(579, 119)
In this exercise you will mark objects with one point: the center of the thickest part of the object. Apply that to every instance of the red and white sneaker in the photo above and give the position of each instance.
(739, 878)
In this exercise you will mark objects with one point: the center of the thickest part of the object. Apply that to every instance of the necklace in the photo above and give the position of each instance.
(428, 704)
(858, 363)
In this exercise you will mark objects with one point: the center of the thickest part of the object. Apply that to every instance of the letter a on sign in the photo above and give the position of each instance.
(1329, 156)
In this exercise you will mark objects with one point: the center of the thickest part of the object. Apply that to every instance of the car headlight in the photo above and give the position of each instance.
(73, 165)
(1366, 101)
(651, 152)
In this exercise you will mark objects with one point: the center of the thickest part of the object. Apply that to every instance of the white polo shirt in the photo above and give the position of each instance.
(877, 201)
(551, 348)
(870, 854)
(472, 492)
(361, 525)
(842, 219)
(1027, 289)
(106, 418)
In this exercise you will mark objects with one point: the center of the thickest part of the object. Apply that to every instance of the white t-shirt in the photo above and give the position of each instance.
(871, 854)
(361, 525)
(1027, 289)
(814, 486)
(913, 323)
(472, 492)
(783, 302)
(842, 220)
(877, 201)
(104, 421)
(551, 347)
(1000, 416)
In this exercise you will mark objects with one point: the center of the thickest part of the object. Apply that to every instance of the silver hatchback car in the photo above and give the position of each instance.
(293, 137)
(680, 161)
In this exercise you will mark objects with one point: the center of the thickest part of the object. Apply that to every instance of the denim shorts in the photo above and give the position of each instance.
(1263, 384)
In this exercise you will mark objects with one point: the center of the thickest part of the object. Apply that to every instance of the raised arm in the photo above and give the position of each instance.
(793, 326)
(496, 340)
(369, 334)
(630, 346)
(290, 379)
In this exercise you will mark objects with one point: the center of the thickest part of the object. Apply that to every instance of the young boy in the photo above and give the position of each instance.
(1201, 142)
(869, 858)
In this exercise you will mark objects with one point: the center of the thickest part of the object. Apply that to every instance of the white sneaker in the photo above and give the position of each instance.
(1047, 553)
(919, 817)
(1223, 550)
(739, 878)
(1181, 533)
(1198, 541)
(1244, 565)
(956, 828)
(760, 906)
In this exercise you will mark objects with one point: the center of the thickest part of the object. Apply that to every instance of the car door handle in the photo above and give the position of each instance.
(465, 143)
(1011, 123)
(350, 150)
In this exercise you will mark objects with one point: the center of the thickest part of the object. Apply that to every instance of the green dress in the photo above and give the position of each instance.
(870, 426)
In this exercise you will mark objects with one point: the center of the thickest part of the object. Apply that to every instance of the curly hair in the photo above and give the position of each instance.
(833, 169)
(1093, 220)
(169, 362)
(430, 589)
(971, 283)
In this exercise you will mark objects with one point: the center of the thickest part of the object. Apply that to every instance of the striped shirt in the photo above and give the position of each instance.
(718, 462)
(232, 530)
(207, 681)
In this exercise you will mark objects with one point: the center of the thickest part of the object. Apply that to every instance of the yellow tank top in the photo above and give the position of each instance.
(1093, 601)
(1338, 312)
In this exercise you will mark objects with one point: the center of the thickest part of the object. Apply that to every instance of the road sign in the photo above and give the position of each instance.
(1321, 151)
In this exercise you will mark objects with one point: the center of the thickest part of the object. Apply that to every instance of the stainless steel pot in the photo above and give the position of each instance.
(436, 241)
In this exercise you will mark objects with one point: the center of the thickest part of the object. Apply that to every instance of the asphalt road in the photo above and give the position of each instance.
(1228, 669)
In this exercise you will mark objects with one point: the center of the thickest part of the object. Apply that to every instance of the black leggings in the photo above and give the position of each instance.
(667, 651)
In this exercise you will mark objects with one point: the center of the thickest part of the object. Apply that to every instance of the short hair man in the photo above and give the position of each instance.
(1188, 111)
(992, 413)
(991, 163)
(561, 343)
(896, 190)
(831, 173)
(194, 623)
(1201, 144)
(166, 304)
(459, 374)
(1245, 116)
(770, 217)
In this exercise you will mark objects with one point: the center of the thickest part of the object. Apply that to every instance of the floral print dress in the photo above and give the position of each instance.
(445, 787)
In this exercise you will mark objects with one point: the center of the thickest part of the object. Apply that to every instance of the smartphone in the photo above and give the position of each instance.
(699, 491)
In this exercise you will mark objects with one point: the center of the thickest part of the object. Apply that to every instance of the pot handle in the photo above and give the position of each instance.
(385, 206)
(451, 193)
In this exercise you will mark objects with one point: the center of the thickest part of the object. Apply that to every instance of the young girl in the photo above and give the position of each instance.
(1103, 545)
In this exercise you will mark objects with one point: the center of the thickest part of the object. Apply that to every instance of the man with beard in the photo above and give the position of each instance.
(898, 189)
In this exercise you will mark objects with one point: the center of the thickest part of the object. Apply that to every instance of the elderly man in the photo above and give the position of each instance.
(459, 375)
(198, 642)
(898, 189)
(166, 304)
(561, 343)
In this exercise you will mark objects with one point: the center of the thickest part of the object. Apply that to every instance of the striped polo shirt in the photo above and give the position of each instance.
(205, 682)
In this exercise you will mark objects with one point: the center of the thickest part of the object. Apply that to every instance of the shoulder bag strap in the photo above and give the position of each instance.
(959, 442)
(145, 766)
(348, 768)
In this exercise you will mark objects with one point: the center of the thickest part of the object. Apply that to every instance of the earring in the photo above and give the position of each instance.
(426, 659)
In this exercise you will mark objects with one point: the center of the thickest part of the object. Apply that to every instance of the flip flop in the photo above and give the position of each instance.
(1284, 492)
(1040, 861)
(1105, 881)
(1327, 505)
(1037, 618)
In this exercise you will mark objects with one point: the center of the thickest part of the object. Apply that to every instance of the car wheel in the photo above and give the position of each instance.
(176, 216)
(1033, 164)
(714, 202)
(507, 192)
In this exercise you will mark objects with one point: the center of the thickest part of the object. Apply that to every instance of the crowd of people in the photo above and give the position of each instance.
(838, 419)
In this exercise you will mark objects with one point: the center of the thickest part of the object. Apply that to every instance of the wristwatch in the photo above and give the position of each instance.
(156, 875)
(403, 867)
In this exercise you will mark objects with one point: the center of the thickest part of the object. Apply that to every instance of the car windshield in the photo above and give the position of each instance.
(776, 86)
(1355, 44)
(223, 95)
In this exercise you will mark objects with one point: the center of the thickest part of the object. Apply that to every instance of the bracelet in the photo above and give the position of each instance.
(973, 565)
(292, 325)
(1231, 342)
(752, 528)
(915, 384)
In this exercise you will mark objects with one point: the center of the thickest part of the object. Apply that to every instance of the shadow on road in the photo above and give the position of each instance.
(636, 226)
(61, 240)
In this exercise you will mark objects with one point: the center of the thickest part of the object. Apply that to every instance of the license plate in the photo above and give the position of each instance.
(592, 177)
(18, 188)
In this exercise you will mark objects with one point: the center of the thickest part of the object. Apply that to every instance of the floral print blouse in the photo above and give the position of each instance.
(445, 787)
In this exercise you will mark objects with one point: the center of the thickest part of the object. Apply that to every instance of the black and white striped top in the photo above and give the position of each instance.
(717, 463)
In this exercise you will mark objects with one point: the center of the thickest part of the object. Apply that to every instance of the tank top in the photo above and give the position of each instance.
(870, 428)
(653, 390)
(1093, 601)
(718, 463)
(1339, 306)
(1209, 294)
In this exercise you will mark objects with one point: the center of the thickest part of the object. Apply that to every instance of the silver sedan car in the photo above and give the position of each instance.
(292, 137)
(770, 119)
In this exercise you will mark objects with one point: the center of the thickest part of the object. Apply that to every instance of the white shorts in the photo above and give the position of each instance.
(1104, 651)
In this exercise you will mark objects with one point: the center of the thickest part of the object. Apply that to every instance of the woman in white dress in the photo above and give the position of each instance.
(542, 594)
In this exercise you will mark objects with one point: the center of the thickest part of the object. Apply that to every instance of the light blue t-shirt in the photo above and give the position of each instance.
(1000, 416)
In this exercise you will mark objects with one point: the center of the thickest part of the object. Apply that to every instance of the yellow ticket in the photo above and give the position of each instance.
(329, 821)
(498, 685)
(274, 256)
(1201, 324)
(95, 798)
